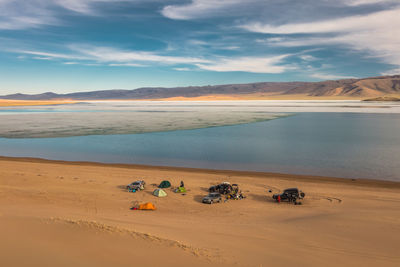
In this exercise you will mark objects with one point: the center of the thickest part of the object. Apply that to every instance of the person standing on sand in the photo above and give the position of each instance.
(182, 184)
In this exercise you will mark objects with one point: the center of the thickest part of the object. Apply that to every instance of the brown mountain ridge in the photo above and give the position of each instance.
(372, 87)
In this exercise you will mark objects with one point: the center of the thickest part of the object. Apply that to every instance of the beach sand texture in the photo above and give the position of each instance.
(14, 103)
(77, 214)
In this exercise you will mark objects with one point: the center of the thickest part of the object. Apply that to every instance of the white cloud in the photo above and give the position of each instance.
(80, 6)
(212, 8)
(377, 20)
(112, 56)
(201, 8)
(50, 55)
(87, 55)
(182, 69)
(85, 6)
(248, 64)
(107, 54)
(392, 72)
(17, 14)
(308, 57)
(126, 65)
(324, 76)
(377, 34)
(43, 58)
(24, 14)
(367, 2)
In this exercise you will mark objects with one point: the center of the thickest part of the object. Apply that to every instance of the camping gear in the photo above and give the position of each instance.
(147, 206)
(165, 184)
(159, 193)
(136, 186)
(236, 193)
(180, 190)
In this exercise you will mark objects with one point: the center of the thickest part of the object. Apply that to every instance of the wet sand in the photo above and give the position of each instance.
(77, 214)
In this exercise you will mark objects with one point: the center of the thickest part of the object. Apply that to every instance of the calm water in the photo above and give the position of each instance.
(352, 145)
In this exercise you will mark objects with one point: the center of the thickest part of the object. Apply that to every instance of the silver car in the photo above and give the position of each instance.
(135, 186)
(212, 197)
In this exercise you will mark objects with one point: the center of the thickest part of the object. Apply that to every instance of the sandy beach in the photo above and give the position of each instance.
(16, 103)
(78, 214)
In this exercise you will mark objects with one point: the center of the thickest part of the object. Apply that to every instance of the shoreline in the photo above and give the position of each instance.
(229, 173)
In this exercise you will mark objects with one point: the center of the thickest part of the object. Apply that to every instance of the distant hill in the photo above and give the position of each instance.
(383, 99)
(348, 88)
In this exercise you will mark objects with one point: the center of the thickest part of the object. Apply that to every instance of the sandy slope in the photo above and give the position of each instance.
(12, 103)
(59, 214)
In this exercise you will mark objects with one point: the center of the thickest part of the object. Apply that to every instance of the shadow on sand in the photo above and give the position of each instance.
(205, 189)
(122, 188)
(262, 198)
(198, 198)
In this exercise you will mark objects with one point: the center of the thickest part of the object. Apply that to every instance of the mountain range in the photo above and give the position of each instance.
(346, 88)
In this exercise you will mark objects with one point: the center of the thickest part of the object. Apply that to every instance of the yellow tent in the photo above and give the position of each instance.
(147, 206)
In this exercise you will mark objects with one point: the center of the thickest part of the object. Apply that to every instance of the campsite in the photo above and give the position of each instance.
(81, 212)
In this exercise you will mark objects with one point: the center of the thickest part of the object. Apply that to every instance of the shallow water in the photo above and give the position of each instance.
(352, 145)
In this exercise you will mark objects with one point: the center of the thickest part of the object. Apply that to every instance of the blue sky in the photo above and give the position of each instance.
(80, 45)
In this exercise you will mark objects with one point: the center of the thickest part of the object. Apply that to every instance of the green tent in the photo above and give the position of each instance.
(159, 193)
(180, 190)
(165, 184)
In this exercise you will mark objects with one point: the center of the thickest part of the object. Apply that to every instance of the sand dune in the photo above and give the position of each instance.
(77, 214)
(13, 103)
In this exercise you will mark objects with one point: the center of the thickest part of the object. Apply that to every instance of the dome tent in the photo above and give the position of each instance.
(165, 184)
(159, 193)
(147, 206)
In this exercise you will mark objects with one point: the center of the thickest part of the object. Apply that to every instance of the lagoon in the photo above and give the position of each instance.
(339, 144)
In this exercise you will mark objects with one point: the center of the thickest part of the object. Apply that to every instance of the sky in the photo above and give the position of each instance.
(83, 45)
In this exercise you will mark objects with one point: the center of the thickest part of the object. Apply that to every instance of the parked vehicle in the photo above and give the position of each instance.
(290, 195)
(212, 198)
(223, 188)
(135, 186)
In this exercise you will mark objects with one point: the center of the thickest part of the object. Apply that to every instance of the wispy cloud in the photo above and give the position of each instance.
(126, 65)
(272, 64)
(392, 72)
(113, 56)
(182, 69)
(15, 14)
(107, 54)
(377, 20)
(377, 34)
(85, 54)
(308, 57)
(197, 9)
(23, 14)
(51, 55)
(367, 2)
(325, 76)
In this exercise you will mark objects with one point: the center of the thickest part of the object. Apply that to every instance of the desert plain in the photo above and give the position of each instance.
(56, 213)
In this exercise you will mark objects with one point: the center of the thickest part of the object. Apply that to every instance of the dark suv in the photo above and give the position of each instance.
(224, 188)
(290, 194)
